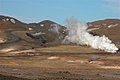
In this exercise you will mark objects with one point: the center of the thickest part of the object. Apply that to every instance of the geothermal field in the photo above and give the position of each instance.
(50, 51)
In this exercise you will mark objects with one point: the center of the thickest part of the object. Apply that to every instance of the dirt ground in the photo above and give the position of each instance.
(67, 62)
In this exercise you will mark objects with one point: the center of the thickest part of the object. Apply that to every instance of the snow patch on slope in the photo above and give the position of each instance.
(114, 25)
(92, 29)
(13, 21)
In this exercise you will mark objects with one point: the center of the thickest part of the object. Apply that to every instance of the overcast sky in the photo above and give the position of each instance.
(58, 10)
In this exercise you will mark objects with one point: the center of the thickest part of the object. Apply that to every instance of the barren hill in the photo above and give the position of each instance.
(49, 33)
(10, 23)
(44, 33)
(108, 27)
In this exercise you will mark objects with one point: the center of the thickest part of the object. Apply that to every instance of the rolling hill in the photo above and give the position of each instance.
(44, 33)
(49, 33)
(108, 27)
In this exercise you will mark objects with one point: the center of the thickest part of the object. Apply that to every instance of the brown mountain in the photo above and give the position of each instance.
(108, 27)
(10, 23)
(47, 32)
(34, 34)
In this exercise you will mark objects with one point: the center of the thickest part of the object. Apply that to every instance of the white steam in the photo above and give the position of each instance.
(78, 34)
(54, 28)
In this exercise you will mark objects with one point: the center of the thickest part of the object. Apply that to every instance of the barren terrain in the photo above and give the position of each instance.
(35, 51)
(66, 62)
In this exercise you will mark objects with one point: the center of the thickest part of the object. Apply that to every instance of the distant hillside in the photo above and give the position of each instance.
(10, 23)
(108, 27)
(46, 31)
(107, 23)
(50, 33)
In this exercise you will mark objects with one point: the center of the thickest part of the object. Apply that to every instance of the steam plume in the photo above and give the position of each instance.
(78, 34)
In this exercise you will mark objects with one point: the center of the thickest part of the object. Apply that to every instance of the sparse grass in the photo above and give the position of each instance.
(70, 48)
(36, 67)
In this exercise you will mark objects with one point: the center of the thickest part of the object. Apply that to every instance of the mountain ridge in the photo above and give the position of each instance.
(52, 32)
